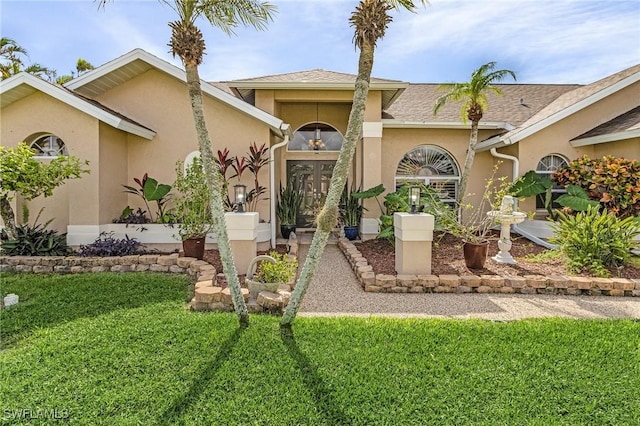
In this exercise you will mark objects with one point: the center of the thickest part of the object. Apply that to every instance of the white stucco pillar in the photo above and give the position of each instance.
(414, 235)
(371, 175)
(243, 236)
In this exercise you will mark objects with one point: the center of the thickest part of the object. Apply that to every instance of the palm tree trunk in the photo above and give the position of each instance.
(215, 183)
(328, 216)
(8, 217)
(468, 162)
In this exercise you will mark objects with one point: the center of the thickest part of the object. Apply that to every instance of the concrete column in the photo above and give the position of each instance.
(243, 236)
(414, 235)
(371, 175)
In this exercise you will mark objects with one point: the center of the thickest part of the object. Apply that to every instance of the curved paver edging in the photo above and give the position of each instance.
(212, 298)
(527, 284)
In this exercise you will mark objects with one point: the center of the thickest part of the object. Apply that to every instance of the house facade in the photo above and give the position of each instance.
(132, 116)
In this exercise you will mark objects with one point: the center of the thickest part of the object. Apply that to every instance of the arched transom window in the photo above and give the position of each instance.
(433, 166)
(49, 146)
(546, 166)
(316, 137)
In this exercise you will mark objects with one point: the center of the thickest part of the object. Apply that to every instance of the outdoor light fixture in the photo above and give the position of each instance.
(240, 196)
(316, 143)
(414, 198)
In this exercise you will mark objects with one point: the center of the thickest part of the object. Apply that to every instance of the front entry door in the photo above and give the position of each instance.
(313, 178)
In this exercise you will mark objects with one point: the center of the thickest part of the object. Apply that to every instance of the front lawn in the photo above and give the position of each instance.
(123, 349)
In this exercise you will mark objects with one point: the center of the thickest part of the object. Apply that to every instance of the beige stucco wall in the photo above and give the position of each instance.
(113, 172)
(629, 148)
(37, 114)
(555, 139)
(161, 103)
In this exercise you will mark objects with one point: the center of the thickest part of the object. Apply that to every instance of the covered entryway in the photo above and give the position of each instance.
(313, 178)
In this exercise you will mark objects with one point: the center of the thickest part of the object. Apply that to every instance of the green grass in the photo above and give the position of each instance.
(125, 350)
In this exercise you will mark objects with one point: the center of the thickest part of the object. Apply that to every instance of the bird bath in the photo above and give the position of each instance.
(506, 216)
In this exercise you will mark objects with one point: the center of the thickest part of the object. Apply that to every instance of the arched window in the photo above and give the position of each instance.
(546, 166)
(49, 146)
(433, 166)
(316, 137)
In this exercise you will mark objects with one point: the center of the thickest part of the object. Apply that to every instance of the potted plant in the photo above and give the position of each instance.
(192, 207)
(351, 210)
(289, 201)
(267, 273)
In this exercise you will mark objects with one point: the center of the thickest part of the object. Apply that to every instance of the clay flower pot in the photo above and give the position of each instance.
(475, 254)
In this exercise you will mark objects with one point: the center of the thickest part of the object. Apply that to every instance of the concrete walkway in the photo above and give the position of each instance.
(335, 291)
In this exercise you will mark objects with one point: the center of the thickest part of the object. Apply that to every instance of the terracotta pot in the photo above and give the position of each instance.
(475, 254)
(194, 247)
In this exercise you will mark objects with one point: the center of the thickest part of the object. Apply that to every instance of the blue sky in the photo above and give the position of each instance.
(559, 41)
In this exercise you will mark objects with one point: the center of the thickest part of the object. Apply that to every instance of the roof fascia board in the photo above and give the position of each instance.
(611, 137)
(492, 142)
(164, 66)
(400, 124)
(572, 109)
(68, 98)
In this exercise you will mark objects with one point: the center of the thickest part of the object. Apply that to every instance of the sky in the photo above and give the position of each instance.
(558, 41)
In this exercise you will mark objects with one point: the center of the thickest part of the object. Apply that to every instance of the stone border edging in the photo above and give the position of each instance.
(527, 284)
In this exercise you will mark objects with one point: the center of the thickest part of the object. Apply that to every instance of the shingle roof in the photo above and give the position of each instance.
(309, 76)
(630, 120)
(518, 103)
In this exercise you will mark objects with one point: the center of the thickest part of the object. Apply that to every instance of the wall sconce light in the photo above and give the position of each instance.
(414, 198)
(240, 196)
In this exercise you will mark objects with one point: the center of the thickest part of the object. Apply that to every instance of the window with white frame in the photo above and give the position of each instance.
(49, 146)
(432, 166)
(546, 166)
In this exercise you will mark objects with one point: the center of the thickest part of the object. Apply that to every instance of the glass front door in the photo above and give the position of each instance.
(313, 178)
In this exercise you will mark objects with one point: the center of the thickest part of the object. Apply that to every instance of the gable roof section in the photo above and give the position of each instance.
(624, 126)
(24, 84)
(414, 108)
(566, 105)
(317, 79)
(137, 62)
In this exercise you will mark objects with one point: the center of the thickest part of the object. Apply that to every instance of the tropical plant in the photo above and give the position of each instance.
(351, 208)
(593, 240)
(473, 96)
(22, 174)
(613, 182)
(107, 245)
(187, 42)
(34, 240)
(150, 190)
(133, 217)
(289, 201)
(370, 21)
(193, 204)
(82, 66)
(531, 184)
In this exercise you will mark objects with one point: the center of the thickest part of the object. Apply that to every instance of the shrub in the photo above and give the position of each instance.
(107, 245)
(282, 271)
(594, 240)
(133, 217)
(35, 240)
(614, 182)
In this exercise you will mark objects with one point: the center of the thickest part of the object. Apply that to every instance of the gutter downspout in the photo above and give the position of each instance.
(272, 180)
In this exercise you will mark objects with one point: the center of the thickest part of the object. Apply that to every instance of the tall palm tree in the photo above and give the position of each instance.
(370, 21)
(473, 95)
(188, 43)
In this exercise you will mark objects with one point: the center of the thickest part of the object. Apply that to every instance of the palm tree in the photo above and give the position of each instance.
(370, 21)
(188, 43)
(12, 54)
(473, 96)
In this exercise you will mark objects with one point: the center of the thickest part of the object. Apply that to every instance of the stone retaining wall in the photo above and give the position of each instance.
(527, 284)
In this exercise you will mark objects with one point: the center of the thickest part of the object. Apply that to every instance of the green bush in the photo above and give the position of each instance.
(35, 240)
(282, 271)
(614, 182)
(594, 240)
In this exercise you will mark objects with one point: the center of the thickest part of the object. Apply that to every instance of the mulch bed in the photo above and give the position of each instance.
(447, 259)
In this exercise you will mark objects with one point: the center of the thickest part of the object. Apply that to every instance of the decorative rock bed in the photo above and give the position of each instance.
(528, 284)
(207, 296)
